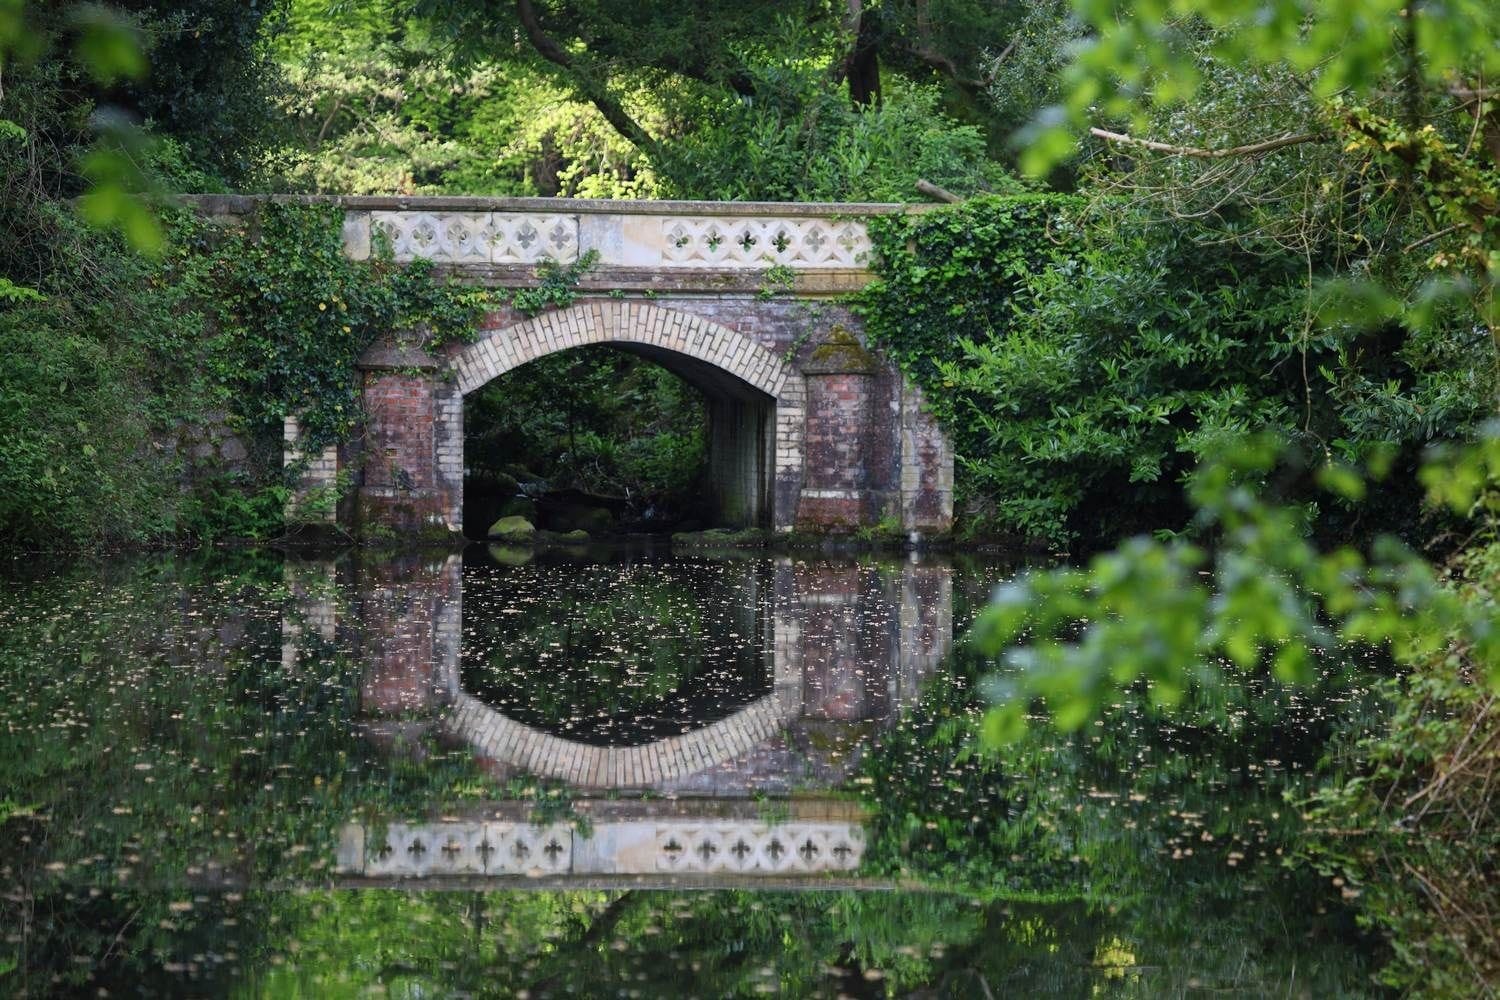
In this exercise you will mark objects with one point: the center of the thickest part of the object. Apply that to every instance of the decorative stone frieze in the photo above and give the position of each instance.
(698, 241)
(426, 849)
(759, 848)
(479, 237)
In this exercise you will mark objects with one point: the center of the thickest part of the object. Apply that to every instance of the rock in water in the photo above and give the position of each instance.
(513, 529)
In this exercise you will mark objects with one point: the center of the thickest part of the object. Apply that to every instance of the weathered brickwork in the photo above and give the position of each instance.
(807, 427)
(312, 501)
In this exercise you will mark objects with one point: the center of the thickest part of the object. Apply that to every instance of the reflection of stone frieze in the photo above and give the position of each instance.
(479, 237)
(759, 848)
(630, 847)
(418, 850)
(731, 242)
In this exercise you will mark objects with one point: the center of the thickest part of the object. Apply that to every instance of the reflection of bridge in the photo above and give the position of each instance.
(848, 646)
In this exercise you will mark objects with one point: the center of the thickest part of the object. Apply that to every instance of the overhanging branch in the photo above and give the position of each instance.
(1251, 149)
(588, 86)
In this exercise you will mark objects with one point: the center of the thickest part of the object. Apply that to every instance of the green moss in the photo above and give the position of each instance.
(840, 351)
(513, 529)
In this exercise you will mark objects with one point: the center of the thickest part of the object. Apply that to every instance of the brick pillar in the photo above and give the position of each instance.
(840, 376)
(404, 487)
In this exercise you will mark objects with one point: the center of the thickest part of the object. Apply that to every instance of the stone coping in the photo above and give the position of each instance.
(234, 204)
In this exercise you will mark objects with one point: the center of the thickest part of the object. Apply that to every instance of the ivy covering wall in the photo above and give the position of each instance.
(146, 397)
(1085, 360)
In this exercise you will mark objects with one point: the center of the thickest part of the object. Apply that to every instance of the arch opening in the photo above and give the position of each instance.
(697, 388)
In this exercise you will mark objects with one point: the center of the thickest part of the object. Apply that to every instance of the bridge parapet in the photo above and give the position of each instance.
(660, 244)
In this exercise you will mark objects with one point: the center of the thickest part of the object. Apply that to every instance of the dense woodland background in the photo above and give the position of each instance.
(1184, 227)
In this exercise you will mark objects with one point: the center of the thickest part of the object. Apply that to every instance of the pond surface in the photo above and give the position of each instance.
(623, 771)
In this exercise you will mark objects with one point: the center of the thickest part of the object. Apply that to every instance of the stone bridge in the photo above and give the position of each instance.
(808, 427)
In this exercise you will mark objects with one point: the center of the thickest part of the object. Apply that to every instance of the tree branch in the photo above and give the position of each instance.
(589, 88)
(1252, 149)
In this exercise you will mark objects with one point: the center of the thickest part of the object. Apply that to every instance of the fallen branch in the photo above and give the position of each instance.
(933, 191)
(1251, 149)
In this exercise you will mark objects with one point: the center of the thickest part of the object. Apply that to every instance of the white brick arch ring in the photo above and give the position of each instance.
(622, 323)
(650, 326)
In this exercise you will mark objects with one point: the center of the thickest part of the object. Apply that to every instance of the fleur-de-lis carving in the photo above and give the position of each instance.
(553, 850)
(417, 849)
(707, 850)
(740, 850)
(808, 850)
(452, 848)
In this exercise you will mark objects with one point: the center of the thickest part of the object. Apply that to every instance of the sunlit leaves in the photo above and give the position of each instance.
(113, 200)
(1145, 612)
(1146, 55)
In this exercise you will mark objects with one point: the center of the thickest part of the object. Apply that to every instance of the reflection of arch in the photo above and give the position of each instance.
(500, 738)
(504, 740)
(756, 400)
(896, 621)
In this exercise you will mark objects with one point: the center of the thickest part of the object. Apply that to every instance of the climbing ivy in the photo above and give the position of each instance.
(557, 285)
(956, 274)
(1086, 358)
(294, 313)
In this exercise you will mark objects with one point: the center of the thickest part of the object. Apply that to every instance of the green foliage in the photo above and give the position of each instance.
(293, 313)
(229, 332)
(374, 106)
(1170, 616)
(596, 419)
(1085, 365)
(1149, 57)
(557, 285)
(802, 141)
(1414, 836)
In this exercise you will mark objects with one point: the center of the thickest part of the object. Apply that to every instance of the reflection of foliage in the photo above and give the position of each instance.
(610, 653)
(1165, 831)
(1144, 616)
(150, 716)
(1416, 837)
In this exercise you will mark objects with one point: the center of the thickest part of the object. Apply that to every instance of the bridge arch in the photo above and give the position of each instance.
(757, 401)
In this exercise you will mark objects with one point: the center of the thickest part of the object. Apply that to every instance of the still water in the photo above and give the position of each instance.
(622, 771)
